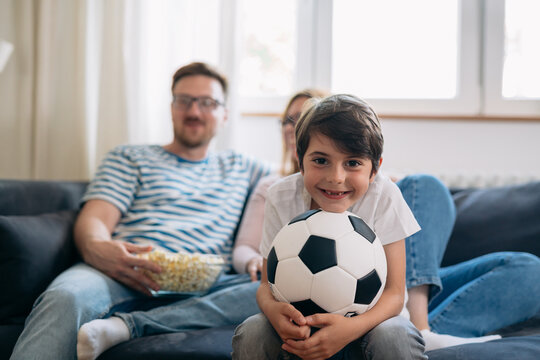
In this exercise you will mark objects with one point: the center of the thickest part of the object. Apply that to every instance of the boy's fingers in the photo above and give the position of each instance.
(296, 316)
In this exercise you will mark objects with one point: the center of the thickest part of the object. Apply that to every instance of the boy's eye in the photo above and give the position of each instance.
(319, 161)
(353, 163)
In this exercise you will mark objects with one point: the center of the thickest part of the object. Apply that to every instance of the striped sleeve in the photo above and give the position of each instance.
(116, 180)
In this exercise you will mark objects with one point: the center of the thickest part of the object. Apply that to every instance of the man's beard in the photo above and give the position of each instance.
(189, 142)
(192, 142)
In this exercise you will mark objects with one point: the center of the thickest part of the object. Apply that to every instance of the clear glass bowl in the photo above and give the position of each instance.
(184, 274)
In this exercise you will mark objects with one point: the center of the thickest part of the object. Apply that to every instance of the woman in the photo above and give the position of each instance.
(246, 257)
(458, 300)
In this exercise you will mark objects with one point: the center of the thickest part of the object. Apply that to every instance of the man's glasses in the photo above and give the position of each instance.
(205, 103)
(289, 119)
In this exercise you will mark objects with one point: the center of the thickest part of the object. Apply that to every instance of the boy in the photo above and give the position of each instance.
(339, 147)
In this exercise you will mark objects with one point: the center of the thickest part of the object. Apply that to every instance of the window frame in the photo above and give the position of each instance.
(480, 67)
(494, 103)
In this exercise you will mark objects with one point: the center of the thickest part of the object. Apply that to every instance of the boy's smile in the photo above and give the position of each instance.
(334, 179)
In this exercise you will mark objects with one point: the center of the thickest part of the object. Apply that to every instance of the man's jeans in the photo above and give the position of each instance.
(82, 293)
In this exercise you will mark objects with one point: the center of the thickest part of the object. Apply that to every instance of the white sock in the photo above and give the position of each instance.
(436, 341)
(96, 336)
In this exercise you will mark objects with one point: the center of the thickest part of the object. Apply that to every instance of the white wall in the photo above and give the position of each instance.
(461, 152)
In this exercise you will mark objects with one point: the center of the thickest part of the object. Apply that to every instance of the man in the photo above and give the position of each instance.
(176, 197)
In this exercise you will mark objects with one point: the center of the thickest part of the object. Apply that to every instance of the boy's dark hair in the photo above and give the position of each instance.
(349, 121)
(200, 68)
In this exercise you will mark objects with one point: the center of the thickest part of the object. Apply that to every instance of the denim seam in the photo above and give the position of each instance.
(112, 305)
(128, 320)
(452, 305)
(413, 206)
(424, 280)
(416, 279)
(449, 307)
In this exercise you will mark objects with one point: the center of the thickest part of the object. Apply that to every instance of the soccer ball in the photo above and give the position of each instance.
(323, 262)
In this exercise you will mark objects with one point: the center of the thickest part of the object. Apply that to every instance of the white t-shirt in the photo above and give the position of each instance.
(382, 208)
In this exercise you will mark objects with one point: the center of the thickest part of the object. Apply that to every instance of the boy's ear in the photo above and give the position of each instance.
(374, 171)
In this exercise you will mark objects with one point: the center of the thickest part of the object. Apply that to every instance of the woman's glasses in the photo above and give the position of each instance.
(289, 119)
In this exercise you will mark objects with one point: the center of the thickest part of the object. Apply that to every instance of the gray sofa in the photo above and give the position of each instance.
(36, 219)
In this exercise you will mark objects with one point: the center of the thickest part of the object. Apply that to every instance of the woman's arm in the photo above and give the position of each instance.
(246, 256)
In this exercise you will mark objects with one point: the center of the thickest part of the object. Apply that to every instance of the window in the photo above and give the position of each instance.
(511, 54)
(383, 49)
(268, 51)
(415, 57)
(521, 70)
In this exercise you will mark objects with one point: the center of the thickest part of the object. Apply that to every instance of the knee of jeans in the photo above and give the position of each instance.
(527, 260)
(437, 191)
(254, 336)
(395, 332)
(62, 300)
(251, 327)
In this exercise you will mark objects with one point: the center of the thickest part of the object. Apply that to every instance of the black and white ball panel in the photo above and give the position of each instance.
(327, 262)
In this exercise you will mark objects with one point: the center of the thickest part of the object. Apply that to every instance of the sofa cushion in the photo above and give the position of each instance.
(32, 197)
(204, 344)
(522, 348)
(495, 219)
(33, 250)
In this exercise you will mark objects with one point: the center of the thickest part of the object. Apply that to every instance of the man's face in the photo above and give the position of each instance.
(195, 126)
(335, 180)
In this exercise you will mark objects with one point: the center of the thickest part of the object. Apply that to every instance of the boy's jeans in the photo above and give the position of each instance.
(395, 338)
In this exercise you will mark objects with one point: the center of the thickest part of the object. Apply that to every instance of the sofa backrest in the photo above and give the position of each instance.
(505, 218)
(29, 197)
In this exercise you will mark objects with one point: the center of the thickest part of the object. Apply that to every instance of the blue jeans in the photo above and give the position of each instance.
(229, 302)
(82, 293)
(470, 298)
(395, 338)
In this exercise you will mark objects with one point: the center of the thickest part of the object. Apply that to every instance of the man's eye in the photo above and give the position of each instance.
(207, 102)
(185, 101)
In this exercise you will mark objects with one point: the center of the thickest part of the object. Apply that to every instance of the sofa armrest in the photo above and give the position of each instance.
(33, 251)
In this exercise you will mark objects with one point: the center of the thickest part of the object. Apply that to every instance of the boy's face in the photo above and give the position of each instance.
(335, 180)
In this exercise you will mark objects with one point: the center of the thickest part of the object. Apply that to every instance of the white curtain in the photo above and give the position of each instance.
(87, 75)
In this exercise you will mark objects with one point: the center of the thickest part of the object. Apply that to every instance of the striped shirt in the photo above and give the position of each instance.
(175, 204)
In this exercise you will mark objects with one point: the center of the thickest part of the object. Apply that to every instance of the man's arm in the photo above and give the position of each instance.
(92, 232)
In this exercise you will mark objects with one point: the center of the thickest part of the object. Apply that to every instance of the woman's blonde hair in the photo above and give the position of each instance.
(288, 164)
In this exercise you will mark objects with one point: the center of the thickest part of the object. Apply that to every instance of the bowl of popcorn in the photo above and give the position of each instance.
(184, 273)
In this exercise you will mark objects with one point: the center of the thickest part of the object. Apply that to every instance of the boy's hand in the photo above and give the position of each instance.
(336, 331)
(288, 322)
